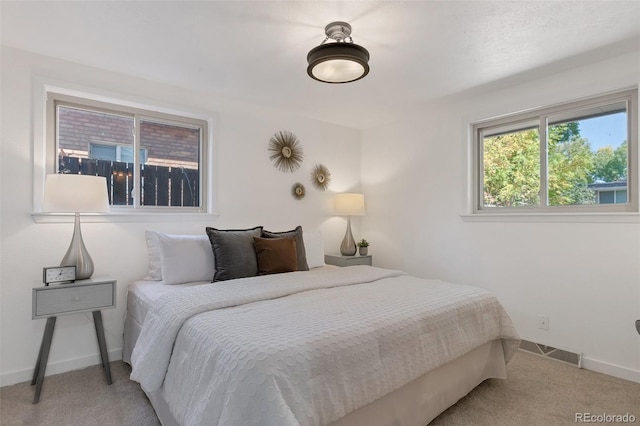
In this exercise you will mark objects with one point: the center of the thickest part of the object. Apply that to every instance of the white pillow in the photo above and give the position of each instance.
(155, 262)
(185, 258)
(314, 247)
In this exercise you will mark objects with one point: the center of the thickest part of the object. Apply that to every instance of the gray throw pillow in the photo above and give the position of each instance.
(234, 252)
(300, 252)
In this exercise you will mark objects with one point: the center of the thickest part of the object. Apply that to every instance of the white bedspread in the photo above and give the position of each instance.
(240, 353)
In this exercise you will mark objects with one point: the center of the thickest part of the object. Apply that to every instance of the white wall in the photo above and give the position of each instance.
(250, 191)
(585, 276)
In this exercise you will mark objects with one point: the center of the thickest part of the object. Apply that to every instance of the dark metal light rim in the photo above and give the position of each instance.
(328, 52)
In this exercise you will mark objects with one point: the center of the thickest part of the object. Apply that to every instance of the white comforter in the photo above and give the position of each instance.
(241, 353)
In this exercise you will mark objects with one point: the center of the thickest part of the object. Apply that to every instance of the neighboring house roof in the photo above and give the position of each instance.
(601, 186)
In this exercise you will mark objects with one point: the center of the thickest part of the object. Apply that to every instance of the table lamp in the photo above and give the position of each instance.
(69, 193)
(349, 204)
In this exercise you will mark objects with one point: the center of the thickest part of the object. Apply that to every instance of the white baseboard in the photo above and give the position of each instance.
(20, 376)
(611, 369)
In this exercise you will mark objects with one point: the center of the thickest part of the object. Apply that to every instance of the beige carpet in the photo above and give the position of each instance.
(538, 391)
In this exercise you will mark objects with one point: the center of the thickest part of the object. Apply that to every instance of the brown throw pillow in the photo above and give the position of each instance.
(275, 255)
(297, 233)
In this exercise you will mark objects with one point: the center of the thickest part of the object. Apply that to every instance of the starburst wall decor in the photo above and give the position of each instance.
(286, 150)
(320, 177)
(298, 191)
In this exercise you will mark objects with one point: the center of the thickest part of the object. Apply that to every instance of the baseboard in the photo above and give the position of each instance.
(580, 361)
(611, 369)
(20, 376)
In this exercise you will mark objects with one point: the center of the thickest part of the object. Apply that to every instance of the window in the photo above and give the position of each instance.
(151, 160)
(610, 192)
(115, 152)
(576, 157)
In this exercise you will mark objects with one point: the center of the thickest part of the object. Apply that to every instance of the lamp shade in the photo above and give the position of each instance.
(349, 204)
(67, 193)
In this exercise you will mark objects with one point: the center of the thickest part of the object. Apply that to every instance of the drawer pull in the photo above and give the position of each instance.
(76, 299)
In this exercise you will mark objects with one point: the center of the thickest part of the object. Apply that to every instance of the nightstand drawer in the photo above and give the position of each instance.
(72, 298)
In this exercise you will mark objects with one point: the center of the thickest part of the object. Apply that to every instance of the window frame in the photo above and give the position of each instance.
(540, 115)
(138, 113)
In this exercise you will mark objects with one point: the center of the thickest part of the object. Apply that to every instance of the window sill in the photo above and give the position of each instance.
(622, 217)
(112, 217)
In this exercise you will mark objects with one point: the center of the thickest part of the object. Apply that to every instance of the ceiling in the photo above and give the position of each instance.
(255, 51)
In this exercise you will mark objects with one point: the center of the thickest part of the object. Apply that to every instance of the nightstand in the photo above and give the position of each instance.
(82, 296)
(338, 260)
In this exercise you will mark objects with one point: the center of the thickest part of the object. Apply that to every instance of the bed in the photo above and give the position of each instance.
(324, 346)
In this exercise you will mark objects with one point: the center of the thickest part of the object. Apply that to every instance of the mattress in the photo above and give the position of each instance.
(142, 295)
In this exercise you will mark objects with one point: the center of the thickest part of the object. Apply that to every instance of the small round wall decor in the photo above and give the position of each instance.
(298, 191)
(320, 177)
(286, 150)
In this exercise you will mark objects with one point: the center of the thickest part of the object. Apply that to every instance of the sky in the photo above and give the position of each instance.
(606, 130)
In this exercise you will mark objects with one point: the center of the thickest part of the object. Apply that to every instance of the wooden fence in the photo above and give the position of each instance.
(161, 186)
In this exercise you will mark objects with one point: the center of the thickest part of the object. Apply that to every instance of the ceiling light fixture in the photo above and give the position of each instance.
(341, 61)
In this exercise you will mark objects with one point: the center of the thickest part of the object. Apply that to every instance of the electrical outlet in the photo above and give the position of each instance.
(543, 322)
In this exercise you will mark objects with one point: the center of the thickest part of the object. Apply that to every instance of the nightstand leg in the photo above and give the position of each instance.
(43, 357)
(37, 368)
(97, 321)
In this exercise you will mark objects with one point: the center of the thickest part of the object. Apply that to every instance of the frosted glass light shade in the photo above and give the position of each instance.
(349, 204)
(66, 193)
(338, 71)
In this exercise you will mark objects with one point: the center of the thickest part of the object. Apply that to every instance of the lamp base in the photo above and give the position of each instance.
(77, 254)
(348, 246)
